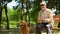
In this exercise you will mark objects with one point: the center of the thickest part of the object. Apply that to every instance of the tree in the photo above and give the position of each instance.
(35, 10)
(5, 7)
(7, 0)
(22, 10)
(50, 4)
(7, 20)
(0, 12)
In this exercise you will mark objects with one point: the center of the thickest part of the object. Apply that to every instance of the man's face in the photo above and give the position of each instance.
(43, 7)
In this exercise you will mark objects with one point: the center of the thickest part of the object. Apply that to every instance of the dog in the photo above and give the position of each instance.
(24, 28)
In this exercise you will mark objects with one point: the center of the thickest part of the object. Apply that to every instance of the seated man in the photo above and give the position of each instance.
(45, 19)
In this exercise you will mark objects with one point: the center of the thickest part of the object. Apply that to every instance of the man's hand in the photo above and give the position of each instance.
(47, 20)
(41, 20)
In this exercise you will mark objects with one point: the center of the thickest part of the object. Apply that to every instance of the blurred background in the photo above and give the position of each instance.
(13, 11)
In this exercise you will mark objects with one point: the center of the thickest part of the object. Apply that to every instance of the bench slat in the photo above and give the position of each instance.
(55, 28)
(51, 28)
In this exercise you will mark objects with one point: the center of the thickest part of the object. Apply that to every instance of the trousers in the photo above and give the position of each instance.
(45, 25)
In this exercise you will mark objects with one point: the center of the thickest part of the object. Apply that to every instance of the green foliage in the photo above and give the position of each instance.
(35, 11)
(7, 0)
(14, 14)
(24, 1)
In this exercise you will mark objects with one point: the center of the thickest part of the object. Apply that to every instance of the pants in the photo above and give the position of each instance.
(41, 25)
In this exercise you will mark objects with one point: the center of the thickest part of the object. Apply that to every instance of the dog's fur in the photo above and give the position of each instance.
(24, 29)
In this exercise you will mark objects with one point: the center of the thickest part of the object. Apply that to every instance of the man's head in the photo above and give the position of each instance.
(43, 6)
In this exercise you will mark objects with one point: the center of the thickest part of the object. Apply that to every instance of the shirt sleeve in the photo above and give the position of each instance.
(50, 19)
(39, 16)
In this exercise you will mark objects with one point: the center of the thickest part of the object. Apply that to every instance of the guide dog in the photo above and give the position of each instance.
(24, 29)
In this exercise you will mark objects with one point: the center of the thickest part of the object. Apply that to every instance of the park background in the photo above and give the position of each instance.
(13, 11)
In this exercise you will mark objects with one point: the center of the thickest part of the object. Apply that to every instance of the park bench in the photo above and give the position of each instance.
(56, 20)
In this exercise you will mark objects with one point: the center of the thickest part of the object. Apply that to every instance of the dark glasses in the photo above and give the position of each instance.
(42, 5)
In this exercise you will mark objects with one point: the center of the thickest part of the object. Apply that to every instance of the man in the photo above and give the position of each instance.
(45, 19)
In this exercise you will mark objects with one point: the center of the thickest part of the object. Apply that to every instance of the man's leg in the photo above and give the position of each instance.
(38, 30)
(48, 29)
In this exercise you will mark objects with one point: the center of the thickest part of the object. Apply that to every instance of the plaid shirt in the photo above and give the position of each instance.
(46, 16)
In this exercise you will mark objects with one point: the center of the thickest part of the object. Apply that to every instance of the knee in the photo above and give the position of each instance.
(48, 26)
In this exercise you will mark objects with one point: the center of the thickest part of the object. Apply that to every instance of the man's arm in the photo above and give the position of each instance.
(39, 17)
(50, 19)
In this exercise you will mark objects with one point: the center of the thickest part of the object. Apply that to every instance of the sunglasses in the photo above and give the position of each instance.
(42, 5)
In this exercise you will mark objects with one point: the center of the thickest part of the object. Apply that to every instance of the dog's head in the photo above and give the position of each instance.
(23, 24)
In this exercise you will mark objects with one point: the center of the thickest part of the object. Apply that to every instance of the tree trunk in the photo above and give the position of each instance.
(0, 13)
(7, 20)
(27, 8)
(50, 4)
(22, 10)
(28, 15)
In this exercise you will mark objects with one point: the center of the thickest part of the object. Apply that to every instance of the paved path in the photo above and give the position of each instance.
(16, 31)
